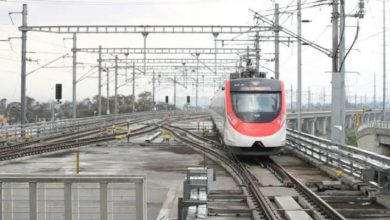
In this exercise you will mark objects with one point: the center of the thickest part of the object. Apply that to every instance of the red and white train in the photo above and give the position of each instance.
(250, 115)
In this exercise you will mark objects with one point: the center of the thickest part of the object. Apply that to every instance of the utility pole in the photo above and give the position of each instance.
(133, 92)
(116, 87)
(374, 90)
(291, 96)
(355, 101)
(74, 50)
(23, 100)
(108, 91)
(276, 41)
(384, 62)
(184, 73)
(308, 99)
(100, 82)
(338, 75)
(126, 72)
(154, 92)
(257, 53)
(323, 97)
(215, 34)
(365, 100)
(197, 79)
(174, 91)
(299, 75)
(145, 35)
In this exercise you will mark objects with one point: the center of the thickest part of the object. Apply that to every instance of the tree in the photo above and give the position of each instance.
(144, 102)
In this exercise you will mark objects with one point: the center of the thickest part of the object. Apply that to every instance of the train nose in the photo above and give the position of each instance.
(258, 145)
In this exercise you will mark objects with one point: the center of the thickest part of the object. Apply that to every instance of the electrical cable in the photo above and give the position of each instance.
(353, 43)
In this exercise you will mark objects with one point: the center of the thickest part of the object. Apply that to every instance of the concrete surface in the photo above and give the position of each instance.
(164, 166)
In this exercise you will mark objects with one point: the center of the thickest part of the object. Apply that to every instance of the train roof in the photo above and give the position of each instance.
(255, 84)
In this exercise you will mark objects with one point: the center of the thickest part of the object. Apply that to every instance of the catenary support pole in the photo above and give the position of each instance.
(23, 100)
(154, 91)
(323, 98)
(257, 53)
(299, 74)
(308, 99)
(197, 80)
(174, 91)
(338, 87)
(133, 92)
(291, 98)
(145, 35)
(74, 67)
(100, 82)
(276, 41)
(116, 87)
(374, 91)
(108, 91)
(215, 52)
(384, 62)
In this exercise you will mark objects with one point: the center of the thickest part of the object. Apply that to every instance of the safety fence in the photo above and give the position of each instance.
(361, 164)
(375, 124)
(72, 197)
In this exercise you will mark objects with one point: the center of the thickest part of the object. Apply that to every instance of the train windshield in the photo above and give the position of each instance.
(256, 107)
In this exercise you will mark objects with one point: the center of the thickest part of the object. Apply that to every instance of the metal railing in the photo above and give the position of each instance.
(349, 159)
(375, 124)
(72, 197)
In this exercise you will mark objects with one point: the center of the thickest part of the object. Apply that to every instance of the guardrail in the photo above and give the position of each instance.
(72, 197)
(349, 159)
(375, 124)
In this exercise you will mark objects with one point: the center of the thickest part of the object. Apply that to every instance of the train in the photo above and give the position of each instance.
(250, 115)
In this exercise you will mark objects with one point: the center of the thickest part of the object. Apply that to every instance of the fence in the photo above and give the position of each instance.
(351, 160)
(375, 124)
(72, 197)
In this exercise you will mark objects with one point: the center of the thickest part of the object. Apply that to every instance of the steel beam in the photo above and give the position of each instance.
(177, 67)
(173, 60)
(158, 29)
(210, 51)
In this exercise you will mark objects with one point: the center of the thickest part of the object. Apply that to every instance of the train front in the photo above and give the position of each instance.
(256, 116)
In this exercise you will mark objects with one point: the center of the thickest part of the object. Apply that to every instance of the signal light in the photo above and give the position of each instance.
(58, 92)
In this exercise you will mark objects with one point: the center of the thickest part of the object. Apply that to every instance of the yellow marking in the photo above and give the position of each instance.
(339, 173)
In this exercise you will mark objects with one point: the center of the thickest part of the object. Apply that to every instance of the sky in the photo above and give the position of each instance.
(363, 62)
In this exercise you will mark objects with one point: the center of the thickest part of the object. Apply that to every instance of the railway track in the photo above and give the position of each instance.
(315, 207)
(74, 134)
(13, 152)
(50, 147)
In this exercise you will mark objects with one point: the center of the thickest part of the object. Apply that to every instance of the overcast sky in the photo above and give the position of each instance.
(364, 60)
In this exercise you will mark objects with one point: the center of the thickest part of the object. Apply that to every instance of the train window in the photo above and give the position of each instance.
(256, 107)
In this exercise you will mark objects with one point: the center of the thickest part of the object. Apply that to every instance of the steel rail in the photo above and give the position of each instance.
(50, 147)
(251, 180)
(300, 187)
(69, 144)
(60, 137)
(236, 167)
